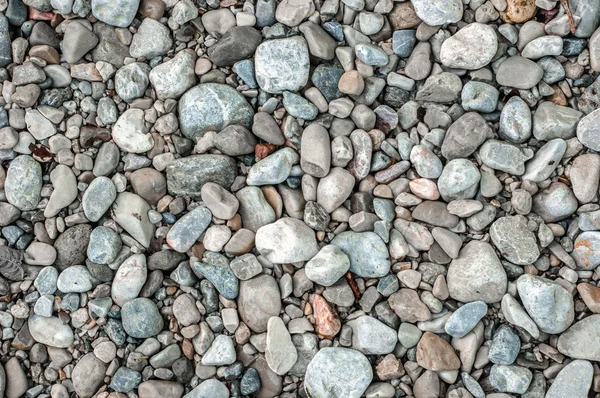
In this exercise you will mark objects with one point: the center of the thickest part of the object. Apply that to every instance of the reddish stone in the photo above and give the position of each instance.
(327, 323)
(436, 354)
(39, 16)
(261, 151)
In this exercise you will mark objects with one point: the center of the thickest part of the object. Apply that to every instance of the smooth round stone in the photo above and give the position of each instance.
(515, 121)
(98, 197)
(337, 373)
(465, 318)
(427, 164)
(280, 352)
(130, 132)
(574, 380)
(368, 254)
(477, 274)
(141, 318)
(212, 107)
(129, 279)
(588, 130)
(371, 54)
(328, 266)
(259, 299)
(65, 190)
(39, 253)
(553, 70)
(579, 341)
(50, 331)
(555, 203)
(221, 203)
(131, 81)
(105, 244)
(299, 107)
(287, 240)
(459, 180)
(514, 240)
(438, 12)
(372, 337)
(118, 13)
(71, 245)
(130, 211)
(479, 97)
(282, 65)
(586, 250)
(316, 151)
(173, 78)
(23, 183)
(549, 304)
(403, 42)
(472, 47)
(75, 279)
(519, 72)
(505, 346)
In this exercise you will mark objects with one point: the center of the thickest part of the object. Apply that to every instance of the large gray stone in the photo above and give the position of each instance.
(212, 107)
(187, 176)
(282, 64)
(580, 340)
(23, 183)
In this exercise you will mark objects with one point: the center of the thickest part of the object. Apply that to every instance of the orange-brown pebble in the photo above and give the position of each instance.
(327, 323)
(518, 11)
(436, 354)
(591, 296)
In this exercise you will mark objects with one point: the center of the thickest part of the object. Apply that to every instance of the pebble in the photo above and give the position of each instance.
(23, 183)
(472, 47)
(174, 77)
(505, 346)
(577, 341)
(372, 337)
(88, 375)
(188, 229)
(368, 254)
(129, 279)
(464, 319)
(438, 12)
(221, 352)
(338, 372)
(98, 197)
(514, 240)
(549, 304)
(258, 300)
(519, 72)
(286, 241)
(476, 274)
(118, 14)
(574, 380)
(282, 64)
(141, 318)
(511, 379)
(211, 107)
(50, 331)
(280, 353)
(327, 266)
(546, 202)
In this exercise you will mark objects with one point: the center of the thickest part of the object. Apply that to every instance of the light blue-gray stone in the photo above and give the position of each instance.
(367, 252)
(141, 318)
(510, 379)
(215, 268)
(23, 183)
(105, 244)
(188, 229)
(299, 106)
(573, 381)
(403, 42)
(479, 97)
(505, 346)
(371, 54)
(464, 319)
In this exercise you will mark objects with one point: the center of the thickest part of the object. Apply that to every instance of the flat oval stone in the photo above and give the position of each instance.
(545, 161)
(337, 373)
(477, 274)
(212, 107)
(573, 381)
(500, 155)
(368, 254)
(75, 279)
(371, 336)
(472, 47)
(130, 211)
(465, 318)
(515, 121)
(259, 299)
(141, 318)
(188, 229)
(549, 304)
(50, 331)
(519, 72)
(98, 197)
(554, 121)
(23, 183)
(579, 341)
